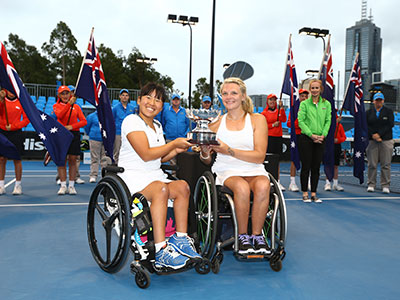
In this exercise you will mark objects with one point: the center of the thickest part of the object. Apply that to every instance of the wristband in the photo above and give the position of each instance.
(207, 157)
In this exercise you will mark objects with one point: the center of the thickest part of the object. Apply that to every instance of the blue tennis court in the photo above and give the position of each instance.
(345, 248)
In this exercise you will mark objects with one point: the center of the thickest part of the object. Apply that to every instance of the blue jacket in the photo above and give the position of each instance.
(119, 113)
(175, 124)
(92, 127)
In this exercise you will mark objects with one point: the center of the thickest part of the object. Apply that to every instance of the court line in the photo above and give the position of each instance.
(43, 204)
(9, 183)
(351, 198)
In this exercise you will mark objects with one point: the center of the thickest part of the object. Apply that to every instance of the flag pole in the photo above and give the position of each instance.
(323, 57)
(284, 73)
(83, 60)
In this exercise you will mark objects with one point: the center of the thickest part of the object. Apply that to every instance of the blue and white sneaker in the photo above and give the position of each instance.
(169, 258)
(184, 245)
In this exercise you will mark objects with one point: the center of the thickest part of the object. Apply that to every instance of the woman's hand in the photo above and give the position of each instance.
(2, 95)
(69, 127)
(222, 148)
(182, 143)
(72, 100)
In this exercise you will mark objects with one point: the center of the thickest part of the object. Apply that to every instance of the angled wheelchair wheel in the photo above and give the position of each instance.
(275, 225)
(206, 210)
(108, 223)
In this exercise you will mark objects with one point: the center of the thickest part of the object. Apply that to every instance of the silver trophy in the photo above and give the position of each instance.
(202, 135)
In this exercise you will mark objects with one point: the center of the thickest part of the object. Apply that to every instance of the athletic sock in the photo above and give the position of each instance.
(1, 183)
(327, 181)
(17, 183)
(335, 182)
(160, 245)
(64, 183)
(72, 183)
(180, 234)
(292, 180)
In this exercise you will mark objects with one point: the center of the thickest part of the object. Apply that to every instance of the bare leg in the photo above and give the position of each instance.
(260, 185)
(241, 191)
(157, 193)
(62, 173)
(18, 169)
(72, 167)
(336, 172)
(3, 162)
(180, 192)
(292, 170)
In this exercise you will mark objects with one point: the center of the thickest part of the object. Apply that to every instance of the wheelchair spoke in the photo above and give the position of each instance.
(101, 212)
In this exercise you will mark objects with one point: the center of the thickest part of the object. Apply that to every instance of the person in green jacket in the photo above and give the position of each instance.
(314, 118)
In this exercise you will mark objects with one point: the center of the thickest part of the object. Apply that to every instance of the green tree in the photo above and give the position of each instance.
(63, 54)
(29, 63)
(202, 89)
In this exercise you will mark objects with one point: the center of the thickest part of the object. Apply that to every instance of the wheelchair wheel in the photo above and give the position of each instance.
(206, 210)
(142, 279)
(108, 223)
(277, 210)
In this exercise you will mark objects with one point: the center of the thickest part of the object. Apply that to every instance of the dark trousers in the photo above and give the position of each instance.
(311, 156)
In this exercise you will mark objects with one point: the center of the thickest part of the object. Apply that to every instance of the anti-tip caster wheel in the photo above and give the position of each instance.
(276, 265)
(142, 279)
(203, 267)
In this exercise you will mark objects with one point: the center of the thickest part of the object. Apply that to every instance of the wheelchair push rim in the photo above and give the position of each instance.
(108, 224)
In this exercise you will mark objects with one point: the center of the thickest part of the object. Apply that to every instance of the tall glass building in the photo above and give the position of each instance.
(365, 38)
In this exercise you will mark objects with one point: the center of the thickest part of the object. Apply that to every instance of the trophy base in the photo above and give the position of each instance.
(203, 138)
(203, 143)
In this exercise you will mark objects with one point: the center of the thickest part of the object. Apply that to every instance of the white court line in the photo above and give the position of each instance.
(9, 183)
(43, 204)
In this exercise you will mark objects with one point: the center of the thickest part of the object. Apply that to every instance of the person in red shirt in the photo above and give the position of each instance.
(303, 95)
(275, 116)
(11, 126)
(340, 137)
(71, 116)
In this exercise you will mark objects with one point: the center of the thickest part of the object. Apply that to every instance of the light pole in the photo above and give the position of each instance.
(185, 20)
(145, 60)
(316, 32)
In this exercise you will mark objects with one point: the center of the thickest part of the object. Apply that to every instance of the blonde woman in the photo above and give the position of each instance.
(243, 140)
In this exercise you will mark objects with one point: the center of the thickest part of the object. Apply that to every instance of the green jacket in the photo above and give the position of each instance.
(314, 119)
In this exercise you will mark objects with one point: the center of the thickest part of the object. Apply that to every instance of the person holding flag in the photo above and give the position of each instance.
(71, 116)
(275, 116)
(303, 95)
(314, 120)
(11, 125)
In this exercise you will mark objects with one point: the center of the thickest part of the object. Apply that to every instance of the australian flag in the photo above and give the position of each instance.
(290, 88)
(7, 149)
(55, 136)
(354, 103)
(326, 76)
(92, 87)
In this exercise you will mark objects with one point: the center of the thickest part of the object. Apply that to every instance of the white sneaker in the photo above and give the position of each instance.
(79, 181)
(62, 190)
(386, 190)
(327, 186)
(92, 179)
(58, 181)
(370, 189)
(2, 190)
(282, 188)
(293, 187)
(72, 190)
(338, 188)
(17, 190)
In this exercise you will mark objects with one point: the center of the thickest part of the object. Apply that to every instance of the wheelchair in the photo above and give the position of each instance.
(117, 222)
(215, 210)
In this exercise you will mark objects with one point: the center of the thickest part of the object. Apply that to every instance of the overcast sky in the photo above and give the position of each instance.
(255, 31)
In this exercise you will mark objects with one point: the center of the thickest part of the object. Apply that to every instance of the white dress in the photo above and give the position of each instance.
(138, 173)
(226, 166)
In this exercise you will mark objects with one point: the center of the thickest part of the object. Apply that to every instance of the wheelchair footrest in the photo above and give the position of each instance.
(252, 256)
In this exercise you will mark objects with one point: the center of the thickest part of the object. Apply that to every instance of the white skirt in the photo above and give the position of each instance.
(224, 175)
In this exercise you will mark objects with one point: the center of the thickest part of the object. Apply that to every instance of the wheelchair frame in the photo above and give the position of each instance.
(210, 207)
(110, 203)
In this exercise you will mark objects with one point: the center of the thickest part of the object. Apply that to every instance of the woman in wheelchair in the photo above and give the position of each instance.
(243, 139)
(143, 149)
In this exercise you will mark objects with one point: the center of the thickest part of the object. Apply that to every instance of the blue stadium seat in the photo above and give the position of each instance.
(115, 102)
(42, 99)
(29, 127)
(33, 99)
(51, 99)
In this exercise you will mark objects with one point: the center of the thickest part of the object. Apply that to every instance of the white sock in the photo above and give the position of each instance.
(1, 183)
(180, 234)
(72, 183)
(64, 183)
(17, 183)
(327, 181)
(335, 182)
(159, 246)
(292, 180)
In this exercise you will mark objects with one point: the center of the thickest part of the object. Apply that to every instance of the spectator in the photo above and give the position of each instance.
(380, 120)
(206, 102)
(243, 139)
(174, 120)
(71, 116)
(120, 111)
(303, 94)
(275, 116)
(314, 120)
(97, 152)
(11, 126)
(339, 138)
